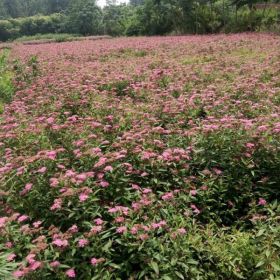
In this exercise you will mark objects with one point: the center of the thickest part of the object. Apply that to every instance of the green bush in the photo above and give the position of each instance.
(14, 28)
(5, 30)
(41, 24)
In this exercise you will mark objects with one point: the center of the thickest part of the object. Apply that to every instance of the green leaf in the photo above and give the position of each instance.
(275, 266)
(73, 252)
(107, 246)
(192, 262)
(115, 266)
(166, 277)
(154, 266)
(267, 253)
(180, 275)
(277, 243)
(173, 261)
(260, 233)
(260, 263)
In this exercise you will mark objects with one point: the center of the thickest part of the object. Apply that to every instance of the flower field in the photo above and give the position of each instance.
(142, 158)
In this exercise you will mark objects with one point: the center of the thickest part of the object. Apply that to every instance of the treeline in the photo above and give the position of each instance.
(139, 17)
(27, 8)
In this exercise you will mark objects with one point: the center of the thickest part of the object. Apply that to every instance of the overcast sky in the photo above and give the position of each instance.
(103, 2)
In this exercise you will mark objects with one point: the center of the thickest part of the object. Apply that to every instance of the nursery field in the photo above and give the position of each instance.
(142, 158)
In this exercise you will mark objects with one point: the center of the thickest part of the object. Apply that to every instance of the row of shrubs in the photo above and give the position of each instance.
(13, 28)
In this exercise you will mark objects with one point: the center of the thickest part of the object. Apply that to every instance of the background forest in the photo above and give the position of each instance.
(140, 17)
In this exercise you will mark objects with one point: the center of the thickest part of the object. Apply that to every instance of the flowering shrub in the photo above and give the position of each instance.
(162, 166)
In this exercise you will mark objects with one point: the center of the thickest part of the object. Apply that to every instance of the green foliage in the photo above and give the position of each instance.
(84, 17)
(13, 28)
(6, 76)
(156, 17)
(6, 268)
(27, 8)
(149, 17)
(117, 18)
(41, 24)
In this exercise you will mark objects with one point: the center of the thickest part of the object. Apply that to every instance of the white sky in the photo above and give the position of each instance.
(103, 2)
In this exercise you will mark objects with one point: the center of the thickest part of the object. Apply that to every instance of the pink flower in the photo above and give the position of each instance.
(204, 188)
(62, 243)
(57, 204)
(95, 261)
(96, 229)
(73, 229)
(193, 192)
(135, 187)
(143, 236)
(104, 184)
(119, 219)
(134, 230)
(18, 274)
(37, 224)
(122, 229)
(82, 243)
(158, 225)
(181, 231)
(8, 245)
(3, 221)
(262, 201)
(34, 266)
(50, 120)
(98, 221)
(42, 170)
(146, 191)
(11, 257)
(250, 145)
(55, 264)
(54, 182)
(83, 197)
(23, 218)
(217, 171)
(108, 168)
(71, 273)
(30, 258)
(81, 177)
(167, 196)
(101, 162)
(28, 187)
(51, 155)
(79, 143)
(195, 209)
(20, 170)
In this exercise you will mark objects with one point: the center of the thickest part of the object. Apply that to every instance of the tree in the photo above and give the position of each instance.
(56, 6)
(85, 17)
(3, 11)
(136, 2)
(155, 17)
(113, 19)
(13, 8)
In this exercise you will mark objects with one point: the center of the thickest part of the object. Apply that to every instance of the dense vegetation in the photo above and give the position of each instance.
(142, 17)
(142, 158)
(6, 79)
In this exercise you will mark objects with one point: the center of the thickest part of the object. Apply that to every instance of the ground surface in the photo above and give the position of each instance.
(143, 157)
